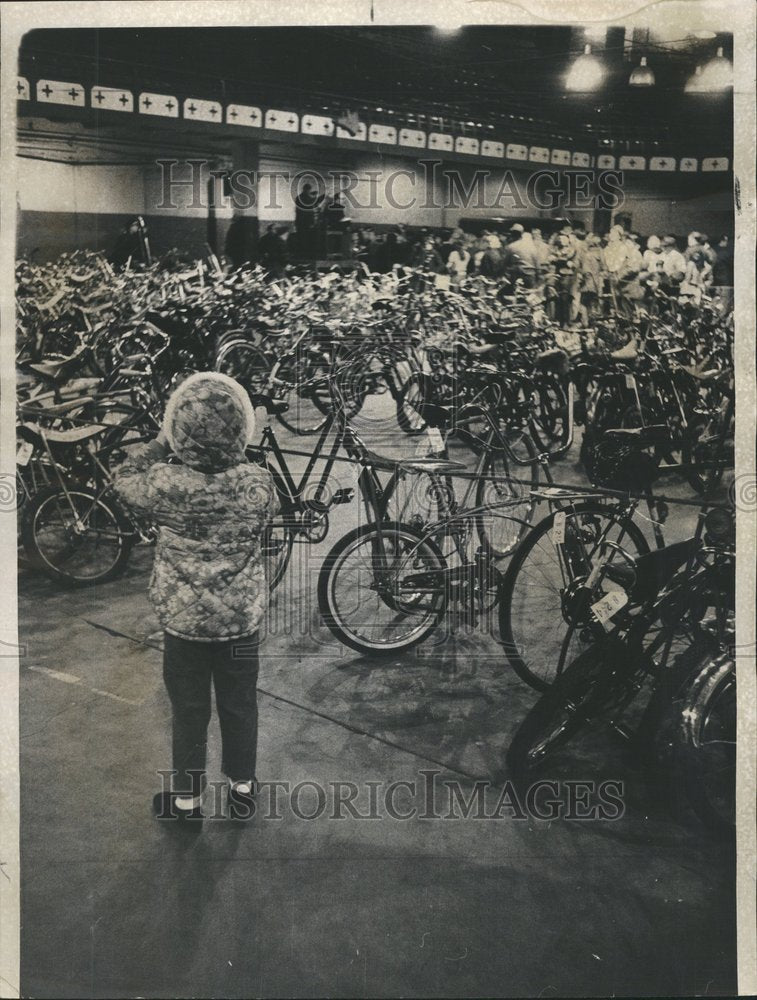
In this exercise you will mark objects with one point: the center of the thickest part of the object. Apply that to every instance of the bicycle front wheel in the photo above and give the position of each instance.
(707, 744)
(581, 695)
(77, 537)
(542, 599)
(382, 588)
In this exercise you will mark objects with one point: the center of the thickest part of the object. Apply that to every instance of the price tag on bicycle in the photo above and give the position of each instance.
(558, 528)
(606, 607)
(24, 453)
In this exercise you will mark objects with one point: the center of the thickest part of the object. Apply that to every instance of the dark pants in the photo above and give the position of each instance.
(188, 668)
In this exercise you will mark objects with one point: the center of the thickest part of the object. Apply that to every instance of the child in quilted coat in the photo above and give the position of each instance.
(208, 583)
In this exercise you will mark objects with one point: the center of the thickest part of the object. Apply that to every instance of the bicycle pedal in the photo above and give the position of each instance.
(343, 496)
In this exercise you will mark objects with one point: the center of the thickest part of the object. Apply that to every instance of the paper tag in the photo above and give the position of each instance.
(630, 382)
(24, 453)
(558, 528)
(435, 439)
(609, 605)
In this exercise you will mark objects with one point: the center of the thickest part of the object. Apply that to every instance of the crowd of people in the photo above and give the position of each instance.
(575, 271)
(579, 275)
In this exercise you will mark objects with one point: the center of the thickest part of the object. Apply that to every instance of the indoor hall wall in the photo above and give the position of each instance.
(682, 210)
(416, 191)
(65, 206)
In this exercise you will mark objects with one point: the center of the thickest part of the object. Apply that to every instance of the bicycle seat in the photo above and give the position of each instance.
(432, 466)
(641, 436)
(707, 376)
(57, 409)
(654, 569)
(49, 369)
(434, 414)
(626, 353)
(377, 461)
(554, 358)
(475, 349)
(272, 406)
(73, 435)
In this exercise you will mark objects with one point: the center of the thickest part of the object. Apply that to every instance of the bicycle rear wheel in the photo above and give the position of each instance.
(503, 480)
(410, 401)
(307, 395)
(77, 537)
(246, 363)
(382, 588)
(542, 599)
(551, 411)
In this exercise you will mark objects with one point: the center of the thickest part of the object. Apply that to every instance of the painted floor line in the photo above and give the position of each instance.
(116, 634)
(373, 736)
(59, 675)
(357, 730)
(117, 697)
(305, 708)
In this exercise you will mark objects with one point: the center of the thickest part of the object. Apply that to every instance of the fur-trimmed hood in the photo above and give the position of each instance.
(208, 422)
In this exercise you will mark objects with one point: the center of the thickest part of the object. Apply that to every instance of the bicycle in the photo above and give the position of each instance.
(672, 620)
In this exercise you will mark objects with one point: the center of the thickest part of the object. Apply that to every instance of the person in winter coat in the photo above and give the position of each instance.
(591, 278)
(674, 265)
(457, 262)
(492, 263)
(522, 245)
(208, 584)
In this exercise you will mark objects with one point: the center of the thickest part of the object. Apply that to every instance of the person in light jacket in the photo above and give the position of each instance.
(208, 585)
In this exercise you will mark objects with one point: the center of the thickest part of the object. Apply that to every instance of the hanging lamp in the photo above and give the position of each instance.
(642, 76)
(586, 73)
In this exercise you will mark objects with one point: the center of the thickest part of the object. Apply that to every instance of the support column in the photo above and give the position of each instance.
(240, 244)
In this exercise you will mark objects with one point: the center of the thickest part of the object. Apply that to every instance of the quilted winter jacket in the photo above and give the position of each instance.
(208, 579)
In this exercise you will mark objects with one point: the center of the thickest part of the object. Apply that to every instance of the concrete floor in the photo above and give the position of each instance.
(114, 905)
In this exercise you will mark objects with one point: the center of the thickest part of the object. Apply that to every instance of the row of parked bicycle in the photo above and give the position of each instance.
(588, 615)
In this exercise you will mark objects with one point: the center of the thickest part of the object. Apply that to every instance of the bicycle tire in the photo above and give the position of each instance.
(712, 692)
(697, 447)
(277, 551)
(496, 532)
(243, 361)
(39, 552)
(574, 702)
(516, 649)
(606, 414)
(307, 412)
(409, 402)
(335, 618)
(551, 413)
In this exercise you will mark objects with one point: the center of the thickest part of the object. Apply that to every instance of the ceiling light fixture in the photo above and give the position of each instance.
(642, 76)
(715, 76)
(586, 73)
(449, 21)
(718, 73)
(694, 84)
